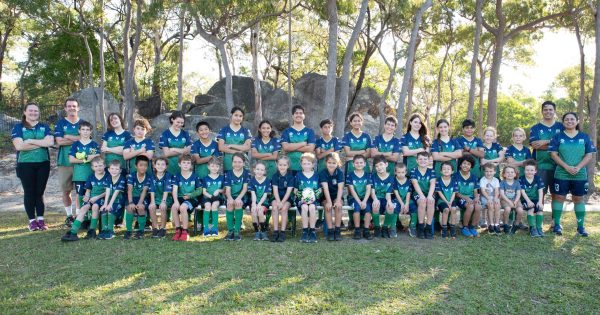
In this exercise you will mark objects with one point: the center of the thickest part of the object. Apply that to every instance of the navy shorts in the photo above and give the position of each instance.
(440, 206)
(191, 203)
(547, 177)
(212, 199)
(577, 188)
(99, 202)
(356, 207)
(412, 207)
(79, 188)
(535, 208)
(461, 204)
(382, 205)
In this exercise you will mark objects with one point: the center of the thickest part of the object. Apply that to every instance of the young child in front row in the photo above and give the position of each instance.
(187, 187)
(82, 152)
(212, 197)
(283, 186)
(381, 194)
(446, 188)
(490, 197)
(93, 198)
(161, 198)
(114, 200)
(236, 187)
(423, 182)
(139, 187)
(404, 204)
(332, 181)
(532, 198)
(468, 194)
(260, 188)
(359, 196)
(510, 194)
(325, 145)
(307, 179)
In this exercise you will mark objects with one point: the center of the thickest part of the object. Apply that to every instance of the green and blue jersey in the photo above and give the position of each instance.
(403, 189)
(519, 155)
(282, 182)
(291, 135)
(235, 182)
(37, 132)
(169, 140)
(270, 146)
(334, 143)
(133, 144)
(81, 171)
(260, 189)
(113, 139)
(64, 127)
(466, 185)
(332, 181)
(97, 186)
(440, 146)
(531, 189)
(360, 184)
(571, 150)
(186, 185)
(382, 186)
(538, 132)
(212, 149)
(357, 143)
(446, 189)
(493, 152)
(423, 179)
(114, 186)
(385, 146)
(472, 144)
(411, 143)
(236, 137)
(138, 185)
(162, 185)
(212, 184)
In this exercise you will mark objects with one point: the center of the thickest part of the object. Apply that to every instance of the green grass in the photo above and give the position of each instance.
(488, 275)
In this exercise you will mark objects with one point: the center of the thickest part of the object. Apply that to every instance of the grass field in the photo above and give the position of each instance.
(493, 274)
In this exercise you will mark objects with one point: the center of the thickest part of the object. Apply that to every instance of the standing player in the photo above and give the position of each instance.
(444, 148)
(265, 147)
(83, 151)
(203, 149)
(234, 138)
(297, 139)
(175, 141)
(471, 145)
(138, 145)
(387, 145)
(113, 140)
(414, 141)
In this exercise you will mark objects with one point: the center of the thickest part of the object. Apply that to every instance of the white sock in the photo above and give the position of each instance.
(69, 211)
(31, 220)
(77, 211)
(40, 218)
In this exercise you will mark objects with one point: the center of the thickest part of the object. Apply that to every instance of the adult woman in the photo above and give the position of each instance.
(175, 141)
(415, 140)
(114, 139)
(234, 138)
(31, 139)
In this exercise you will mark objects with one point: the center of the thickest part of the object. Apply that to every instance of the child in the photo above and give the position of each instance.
(187, 187)
(510, 194)
(468, 194)
(175, 141)
(381, 195)
(265, 147)
(283, 185)
(297, 139)
(212, 197)
(93, 198)
(307, 179)
(492, 151)
(139, 187)
(203, 149)
(387, 145)
(326, 145)
(332, 182)
(444, 148)
(114, 202)
(446, 189)
(423, 182)
(234, 138)
(403, 201)
(532, 198)
(82, 152)
(359, 191)
(414, 141)
(490, 197)
(236, 187)
(139, 144)
(471, 145)
(260, 188)
(517, 153)
(161, 197)
(114, 139)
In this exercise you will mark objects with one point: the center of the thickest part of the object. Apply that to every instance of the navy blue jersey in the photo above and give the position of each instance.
(360, 183)
(282, 182)
(260, 188)
(332, 181)
(382, 186)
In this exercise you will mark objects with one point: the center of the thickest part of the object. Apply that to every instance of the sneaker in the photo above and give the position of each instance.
(154, 233)
(109, 235)
(522, 226)
(257, 236)
(483, 223)
(138, 235)
(161, 233)
(428, 232)
(506, 229)
(177, 235)
(101, 235)
(33, 226)
(466, 232)
(312, 237)
(185, 236)
(69, 221)
(338, 234)
(393, 233)
(474, 232)
(540, 232)
(331, 235)
(557, 230)
(377, 231)
(206, 232)
(265, 236)
(420, 231)
(69, 237)
(304, 238)
(366, 234)
(41, 225)
(91, 235)
(275, 236)
(514, 229)
(237, 237)
(453, 231)
(385, 232)
(229, 236)
(214, 231)
(491, 230)
(497, 230)
(412, 231)
(127, 235)
(357, 235)
(582, 232)
(533, 232)
(281, 237)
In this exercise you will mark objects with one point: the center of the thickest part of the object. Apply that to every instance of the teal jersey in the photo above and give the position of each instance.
(186, 185)
(180, 141)
(260, 189)
(64, 127)
(385, 146)
(82, 171)
(230, 136)
(272, 145)
(236, 183)
(472, 144)
(291, 135)
(115, 186)
(382, 186)
(447, 189)
(37, 132)
(492, 152)
(162, 185)
(466, 186)
(542, 132)
(133, 144)
(519, 155)
(212, 184)
(440, 146)
(403, 188)
(202, 150)
(571, 150)
(532, 188)
(411, 143)
(138, 184)
(333, 143)
(114, 139)
(357, 143)
(423, 179)
(97, 186)
(360, 183)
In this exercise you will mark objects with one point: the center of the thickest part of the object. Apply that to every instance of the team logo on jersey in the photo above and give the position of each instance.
(581, 141)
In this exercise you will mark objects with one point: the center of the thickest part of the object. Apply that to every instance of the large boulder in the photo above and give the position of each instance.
(88, 99)
(150, 107)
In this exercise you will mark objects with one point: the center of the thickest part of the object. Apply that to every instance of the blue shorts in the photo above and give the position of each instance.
(535, 208)
(212, 199)
(462, 204)
(547, 177)
(356, 207)
(412, 207)
(382, 205)
(79, 188)
(440, 206)
(191, 203)
(577, 188)
(99, 202)
(416, 197)
(118, 208)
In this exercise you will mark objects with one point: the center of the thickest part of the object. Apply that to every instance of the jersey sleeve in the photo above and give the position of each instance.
(554, 143)
(251, 185)
(254, 143)
(475, 183)
(150, 185)
(188, 139)
(369, 140)
(509, 152)
(247, 134)
(311, 138)
(277, 144)
(88, 182)
(345, 139)
(227, 180)
(121, 184)
(163, 140)
(540, 182)
(478, 143)
(59, 130)
(130, 179)
(589, 145)
(73, 149)
(195, 147)
(221, 134)
(149, 145)
(323, 176)
(17, 132)
(285, 137)
(269, 187)
(105, 136)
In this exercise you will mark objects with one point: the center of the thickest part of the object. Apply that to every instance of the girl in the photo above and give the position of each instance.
(212, 196)
(139, 144)
(175, 141)
(492, 151)
(359, 191)
(187, 187)
(283, 185)
(307, 179)
(265, 147)
(444, 148)
(327, 143)
(490, 197)
(405, 206)
(387, 145)
(234, 138)
(332, 182)
(31, 139)
(423, 182)
(446, 188)
(415, 140)
(113, 140)
(571, 149)
(161, 199)
(381, 194)
(517, 153)
(510, 194)
(468, 194)
(236, 187)
(260, 188)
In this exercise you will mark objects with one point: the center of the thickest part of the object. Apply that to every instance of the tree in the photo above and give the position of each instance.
(130, 56)
(332, 19)
(476, 44)
(595, 9)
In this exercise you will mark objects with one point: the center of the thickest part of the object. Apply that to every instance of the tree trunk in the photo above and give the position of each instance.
(102, 70)
(157, 74)
(439, 85)
(409, 60)
(219, 62)
(258, 115)
(332, 18)
(10, 23)
(290, 104)
(130, 58)
(390, 82)
(595, 98)
(581, 102)
(180, 61)
(340, 121)
(90, 79)
(473, 70)
(494, 78)
(481, 90)
(228, 77)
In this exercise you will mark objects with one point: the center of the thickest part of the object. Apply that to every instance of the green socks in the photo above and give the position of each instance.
(387, 220)
(239, 215)
(215, 218)
(229, 216)
(580, 213)
(531, 220)
(141, 223)
(104, 221)
(111, 222)
(413, 220)
(320, 217)
(557, 209)
(376, 222)
(205, 217)
(75, 226)
(539, 221)
(393, 220)
(351, 215)
(129, 221)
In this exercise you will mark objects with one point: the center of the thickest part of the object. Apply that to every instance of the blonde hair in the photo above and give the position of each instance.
(492, 129)
(308, 156)
(518, 129)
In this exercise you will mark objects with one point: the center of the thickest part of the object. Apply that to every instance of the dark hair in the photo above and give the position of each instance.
(334, 156)
(391, 119)
(530, 162)
(422, 132)
(447, 163)
(354, 115)
(202, 123)
(424, 153)
(23, 118)
(297, 107)
(469, 158)
(271, 134)
(400, 165)
(164, 159)
(108, 126)
(185, 157)
(141, 158)
(571, 113)
(378, 159)
(240, 155)
(468, 122)
(548, 103)
(326, 122)
(176, 114)
(84, 123)
(359, 156)
(489, 166)
(142, 122)
(236, 109)
(71, 99)
(438, 123)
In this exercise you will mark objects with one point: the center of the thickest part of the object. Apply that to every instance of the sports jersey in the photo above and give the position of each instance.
(472, 144)
(138, 186)
(382, 186)
(162, 185)
(359, 183)
(64, 127)
(97, 186)
(118, 185)
(186, 186)
(212, 184)
(403, 189)
(423, 179)
(446, 189)
(270, 146)
(466, 186)
(260, 188)
(540, 131)
(531, 189)
(283, 182)
(169, 140)
(291, 135)
(82, 171)
(230, 136)
(440, 146)
(332, 180)
(518, 155)
(411, 143)
(384, 146)
(362, 142)
(334, 143)
(302, 181)
(112, 140)
(571, 150)
(37, 132)
(133, 144)
(212, 149)
(236, 183)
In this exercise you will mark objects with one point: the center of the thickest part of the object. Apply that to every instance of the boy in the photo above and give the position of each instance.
(297, 139)
(387, 145)
(359, 188)
(113, 200)
(138, 144)
(203, 149)
(445, 186)
(490, 197)
(93, 198)
(423, 182)
(139, 187)
(160, 198)
(382, 196)
(82, 152)
(532, 198)
(468, 194)
(403, 200)
(471, 145)
(187, 187)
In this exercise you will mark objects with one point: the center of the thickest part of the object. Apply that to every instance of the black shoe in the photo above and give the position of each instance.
(229, 236)
(428, 232)
(421, 231)
(304, 238)
(275, 236)
(490, 229)
(497, 230)
(161, 233)
(281, 238)
(357, 235)
(367, 234)
(237, 236)
(127, 235)
(85, 225)
(318, 224)
(69, 221)
(338, 233)
(331, 235)
(138, 235)
(452, 231)
(514, 229)
(350, 224)
(506, 229)
(444, 231)
(342, 226)
(154, 233)
(91, 235)
(377, 231)
(385, 232)
(312, 237)
(69, 237)
(136, 225)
